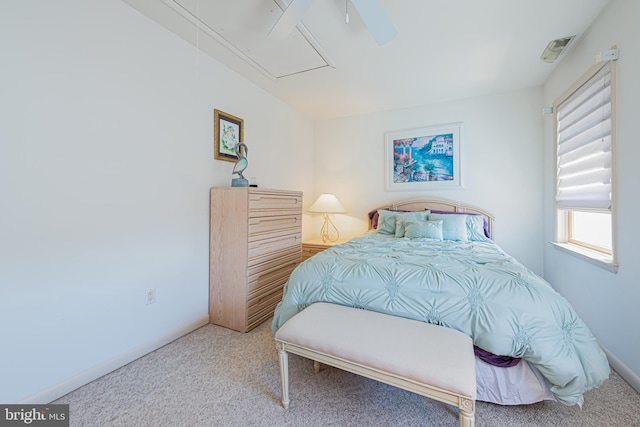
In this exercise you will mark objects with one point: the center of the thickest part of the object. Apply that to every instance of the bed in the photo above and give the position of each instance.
(530, 344)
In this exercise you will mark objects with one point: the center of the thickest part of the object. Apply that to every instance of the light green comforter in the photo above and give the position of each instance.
(474, 287)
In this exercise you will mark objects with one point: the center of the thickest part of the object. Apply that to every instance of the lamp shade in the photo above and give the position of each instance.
(327, 203)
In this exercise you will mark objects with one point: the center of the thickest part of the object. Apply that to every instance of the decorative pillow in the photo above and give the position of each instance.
(485, 222)
(386, 222)
(423, 229)
(403, 218)
(454, 227)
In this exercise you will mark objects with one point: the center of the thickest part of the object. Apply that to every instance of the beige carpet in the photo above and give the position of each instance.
(218, 377)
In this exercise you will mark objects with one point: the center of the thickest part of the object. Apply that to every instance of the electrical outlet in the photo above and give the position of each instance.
(150, 297)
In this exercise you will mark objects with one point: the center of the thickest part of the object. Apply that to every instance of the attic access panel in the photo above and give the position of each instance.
(243, 26)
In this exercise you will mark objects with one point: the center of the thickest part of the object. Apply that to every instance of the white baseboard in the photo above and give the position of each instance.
(63, 387)
(623, 370)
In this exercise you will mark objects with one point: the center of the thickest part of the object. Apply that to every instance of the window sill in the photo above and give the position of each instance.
(593, 257)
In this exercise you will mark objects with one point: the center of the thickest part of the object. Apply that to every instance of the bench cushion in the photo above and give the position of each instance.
(427, 354)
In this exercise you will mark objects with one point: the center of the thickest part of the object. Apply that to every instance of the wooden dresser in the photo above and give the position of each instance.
(255, 243)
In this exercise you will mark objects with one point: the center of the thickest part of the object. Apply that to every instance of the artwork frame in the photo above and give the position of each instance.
(436, 165)
(228, 130)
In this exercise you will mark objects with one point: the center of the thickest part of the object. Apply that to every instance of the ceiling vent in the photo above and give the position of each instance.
(555, 48)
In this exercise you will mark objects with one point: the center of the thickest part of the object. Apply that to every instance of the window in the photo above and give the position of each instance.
(590, 229)
(585, 189)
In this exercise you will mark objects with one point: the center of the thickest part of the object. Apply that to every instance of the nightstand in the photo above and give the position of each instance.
(312, 247)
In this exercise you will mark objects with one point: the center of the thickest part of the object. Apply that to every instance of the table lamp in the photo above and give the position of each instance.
(326, 204)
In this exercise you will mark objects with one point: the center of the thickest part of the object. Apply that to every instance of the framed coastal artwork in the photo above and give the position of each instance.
(425, 158)
(228, 131)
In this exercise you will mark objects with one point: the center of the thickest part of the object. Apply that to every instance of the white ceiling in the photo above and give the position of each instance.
(445, 49)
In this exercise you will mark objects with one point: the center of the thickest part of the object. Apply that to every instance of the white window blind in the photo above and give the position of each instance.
(584, 168)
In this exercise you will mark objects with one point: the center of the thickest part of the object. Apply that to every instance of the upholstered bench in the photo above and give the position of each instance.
(430, 360)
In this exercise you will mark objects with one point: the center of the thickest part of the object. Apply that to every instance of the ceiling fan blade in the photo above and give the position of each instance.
(290, 18)
(376, 20)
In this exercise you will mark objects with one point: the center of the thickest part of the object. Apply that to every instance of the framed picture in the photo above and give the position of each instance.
(228, 130)
(423, 159)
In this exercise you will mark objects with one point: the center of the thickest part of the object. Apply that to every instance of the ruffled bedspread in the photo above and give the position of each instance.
(473, 287)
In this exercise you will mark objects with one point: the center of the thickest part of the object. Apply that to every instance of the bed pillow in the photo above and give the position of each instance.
(374, 217)
(454, 227)
(475, 228)
(404, 217)
(386, 222)
(423, 229)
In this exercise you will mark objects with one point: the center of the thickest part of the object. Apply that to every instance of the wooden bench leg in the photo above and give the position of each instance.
(466, 419)
(467, 412)
(284, 374)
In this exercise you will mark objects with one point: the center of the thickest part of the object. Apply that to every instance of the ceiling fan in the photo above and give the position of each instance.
(371, 12)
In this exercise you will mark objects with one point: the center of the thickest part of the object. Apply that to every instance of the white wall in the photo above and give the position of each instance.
(607, 302)
(106, 160)
(501, 164)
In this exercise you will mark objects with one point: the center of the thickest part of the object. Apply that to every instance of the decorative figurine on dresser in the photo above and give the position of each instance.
(241, 151)
(255, 243)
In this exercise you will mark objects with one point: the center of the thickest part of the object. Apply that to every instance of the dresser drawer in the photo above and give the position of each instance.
(263, 250)
(267, 201)
(264, 314)
(271, 235)
(310, 250)
(267, 281)
(278, 260)
(270, 224)
(267, 302)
